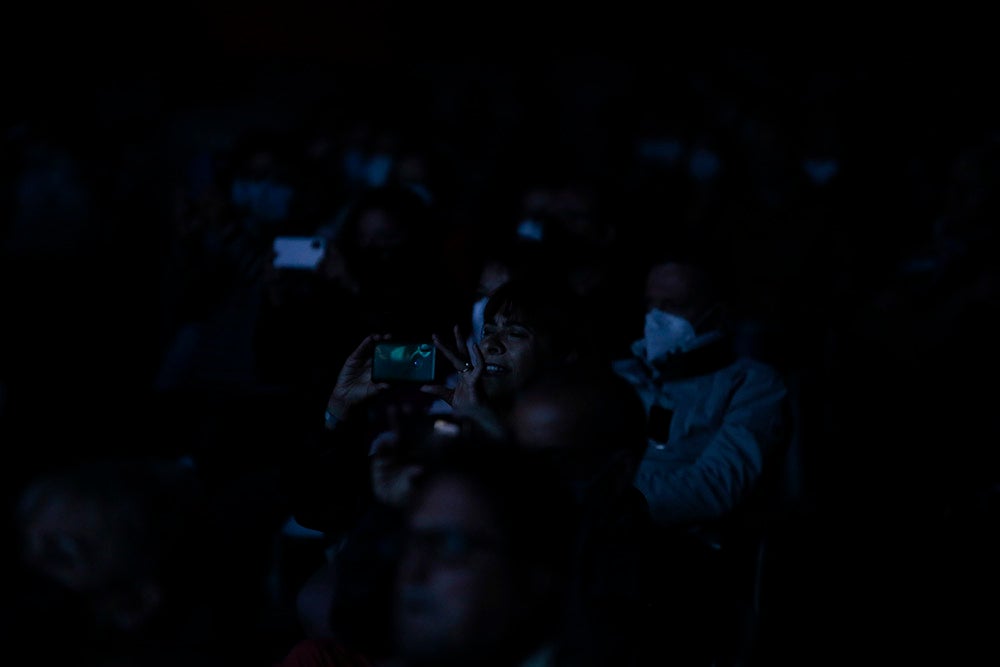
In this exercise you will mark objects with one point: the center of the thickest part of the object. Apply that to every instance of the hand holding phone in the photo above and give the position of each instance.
(354, 382)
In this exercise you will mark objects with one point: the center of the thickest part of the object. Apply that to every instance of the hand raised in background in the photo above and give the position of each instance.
(469, 367)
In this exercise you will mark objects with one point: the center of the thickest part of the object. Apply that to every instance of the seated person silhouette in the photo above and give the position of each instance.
(718, 421)
(114, 566)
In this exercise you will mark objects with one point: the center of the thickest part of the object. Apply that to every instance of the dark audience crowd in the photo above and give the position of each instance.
(713, 352)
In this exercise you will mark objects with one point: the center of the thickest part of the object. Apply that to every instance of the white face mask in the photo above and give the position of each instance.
(478, 319)
(666, 333)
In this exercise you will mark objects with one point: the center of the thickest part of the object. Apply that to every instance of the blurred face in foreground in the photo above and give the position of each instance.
(455, 596)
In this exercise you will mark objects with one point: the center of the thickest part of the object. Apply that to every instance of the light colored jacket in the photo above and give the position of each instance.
(726, 424)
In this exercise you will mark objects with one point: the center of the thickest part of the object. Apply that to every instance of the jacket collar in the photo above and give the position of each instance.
(713, 350)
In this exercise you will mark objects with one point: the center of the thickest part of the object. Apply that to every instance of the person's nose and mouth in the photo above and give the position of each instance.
(493, 351)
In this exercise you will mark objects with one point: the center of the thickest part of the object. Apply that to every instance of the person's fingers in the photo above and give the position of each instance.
(362, 353)
(459, 339)
(359, 353)
(478, 362)
(476, 354)
(448, 353)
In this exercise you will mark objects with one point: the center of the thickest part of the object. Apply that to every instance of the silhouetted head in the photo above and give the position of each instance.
(589, 421)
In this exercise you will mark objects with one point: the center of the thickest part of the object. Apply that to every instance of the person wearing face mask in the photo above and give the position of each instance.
(717, 419)
(719, 430)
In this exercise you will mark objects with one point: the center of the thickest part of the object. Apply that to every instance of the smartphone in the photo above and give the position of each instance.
(404, 362)
(298, 252)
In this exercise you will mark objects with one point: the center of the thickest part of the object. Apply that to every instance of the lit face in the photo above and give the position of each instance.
(513, 354)
(454, 593)
(674, 288)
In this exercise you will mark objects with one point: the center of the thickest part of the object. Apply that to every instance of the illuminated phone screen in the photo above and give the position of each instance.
(404, 362)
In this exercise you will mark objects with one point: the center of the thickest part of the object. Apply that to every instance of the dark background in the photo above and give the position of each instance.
(134, 93)
(901, 442)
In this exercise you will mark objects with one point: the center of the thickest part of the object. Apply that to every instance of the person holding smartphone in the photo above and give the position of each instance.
(382, 270)
(532, 323)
